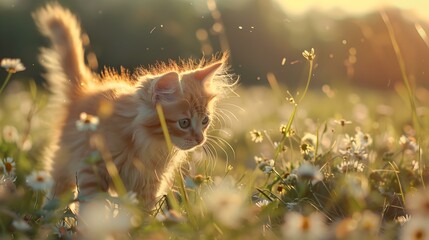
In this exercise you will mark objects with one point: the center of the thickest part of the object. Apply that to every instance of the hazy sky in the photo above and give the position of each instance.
(421, 7)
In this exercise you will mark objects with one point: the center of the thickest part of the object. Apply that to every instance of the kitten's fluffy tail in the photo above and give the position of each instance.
(64, 60)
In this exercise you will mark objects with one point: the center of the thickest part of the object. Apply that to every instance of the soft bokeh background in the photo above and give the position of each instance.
(263, 36)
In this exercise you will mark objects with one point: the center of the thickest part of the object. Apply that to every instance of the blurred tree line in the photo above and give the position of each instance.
(261, 37)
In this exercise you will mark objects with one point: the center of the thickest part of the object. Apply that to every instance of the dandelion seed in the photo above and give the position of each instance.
(309, 172)
(283, 61)
(39, 180)
(256, 136)
(309, 55)
(9, 166)
(87, 122)
(12, 65)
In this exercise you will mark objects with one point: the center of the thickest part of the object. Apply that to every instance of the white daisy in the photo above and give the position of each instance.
(87, 122)
(39, 180)
(10, 134)
(12, 65)
(310, 227)
(9, 166)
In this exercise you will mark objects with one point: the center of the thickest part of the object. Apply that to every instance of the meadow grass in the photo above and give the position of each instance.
(327, 163)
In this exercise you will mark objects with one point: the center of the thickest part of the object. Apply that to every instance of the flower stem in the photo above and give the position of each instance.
(5, 82)
(310, 72)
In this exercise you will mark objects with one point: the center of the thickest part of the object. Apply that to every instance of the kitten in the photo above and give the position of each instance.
(130, 128)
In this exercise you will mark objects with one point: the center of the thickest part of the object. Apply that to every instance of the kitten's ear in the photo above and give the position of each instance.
(206, 74)
(166, 87)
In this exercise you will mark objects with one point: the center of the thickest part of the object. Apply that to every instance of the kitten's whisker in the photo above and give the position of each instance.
(223, 142)
(233, 105)
(215, 142)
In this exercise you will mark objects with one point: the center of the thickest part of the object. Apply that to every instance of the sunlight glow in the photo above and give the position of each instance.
(352, 7)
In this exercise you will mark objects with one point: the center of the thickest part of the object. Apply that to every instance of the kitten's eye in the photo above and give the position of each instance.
(205, 120)
(185, 123)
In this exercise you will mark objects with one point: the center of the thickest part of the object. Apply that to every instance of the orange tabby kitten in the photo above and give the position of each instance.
(131, 132)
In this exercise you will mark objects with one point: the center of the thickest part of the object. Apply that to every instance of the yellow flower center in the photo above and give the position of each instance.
(8, 167)
(419, 234)
(305, 224)
(40, 179)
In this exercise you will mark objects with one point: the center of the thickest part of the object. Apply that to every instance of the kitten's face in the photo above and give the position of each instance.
(188, 129)
(188, 102)
(188, 118)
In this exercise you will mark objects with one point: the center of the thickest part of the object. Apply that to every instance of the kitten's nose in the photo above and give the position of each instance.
(199, 139)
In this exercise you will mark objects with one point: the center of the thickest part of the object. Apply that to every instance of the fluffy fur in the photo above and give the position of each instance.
(129, 130)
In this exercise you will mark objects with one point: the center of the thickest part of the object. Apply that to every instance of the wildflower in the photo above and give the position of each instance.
(350, 166)
(297, 226)
(283, 129)
(170, 216)
(63, 230)
(265, 165)
(256, 136)
(360, 225)
(342, 122)
(308, 145)
(309, 55)
(291, 100)
(12, 65)
(100, 220)
(417, 228)
(277, 145)
(262, 203)
(21, 225)
(354, 186)
(310, 172)
(291, 179)
(9, 166)
(418, 203)
(310, 139)
(87, 122)
(409, 143)
(10, 134)
(226, 202)
(401, 220)
(356, 147)
(363, 139)
(39, 180)
(415, 165)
